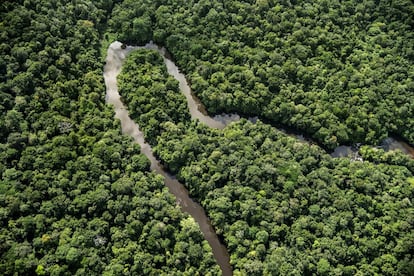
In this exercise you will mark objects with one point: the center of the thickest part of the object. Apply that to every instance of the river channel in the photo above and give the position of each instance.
(115, 56)
(197, 111)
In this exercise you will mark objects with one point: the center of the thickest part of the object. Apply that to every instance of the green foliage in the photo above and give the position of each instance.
(76, 196)
(152, 96)
(286, 207)
(341, 71)
(131, 21)
(282, 206)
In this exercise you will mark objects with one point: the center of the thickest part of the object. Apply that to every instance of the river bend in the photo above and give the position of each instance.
(117, 52)
(115, 56)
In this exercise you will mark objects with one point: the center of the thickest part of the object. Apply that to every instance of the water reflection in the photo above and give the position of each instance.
(115, 56)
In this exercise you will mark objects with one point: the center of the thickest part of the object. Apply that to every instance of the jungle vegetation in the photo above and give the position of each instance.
(283, 206)
(340, 71)
(77, 197)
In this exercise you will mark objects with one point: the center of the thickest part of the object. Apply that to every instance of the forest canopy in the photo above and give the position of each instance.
(77, 197)
(341, 71)
(283, 206)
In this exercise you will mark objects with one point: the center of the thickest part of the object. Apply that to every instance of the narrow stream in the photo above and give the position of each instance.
(115, 56)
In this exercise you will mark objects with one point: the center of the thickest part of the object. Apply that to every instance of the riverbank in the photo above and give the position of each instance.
(219, 121)
(115, 57)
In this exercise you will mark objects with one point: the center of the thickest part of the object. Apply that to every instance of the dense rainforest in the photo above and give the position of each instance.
(341, 71)
(283, 206)
(77, 197)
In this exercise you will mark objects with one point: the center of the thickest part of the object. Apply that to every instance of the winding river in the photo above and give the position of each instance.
(115, 56)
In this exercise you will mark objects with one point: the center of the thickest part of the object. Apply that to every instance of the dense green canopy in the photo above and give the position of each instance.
(283, 206)
(341, 71)
(77, 197)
